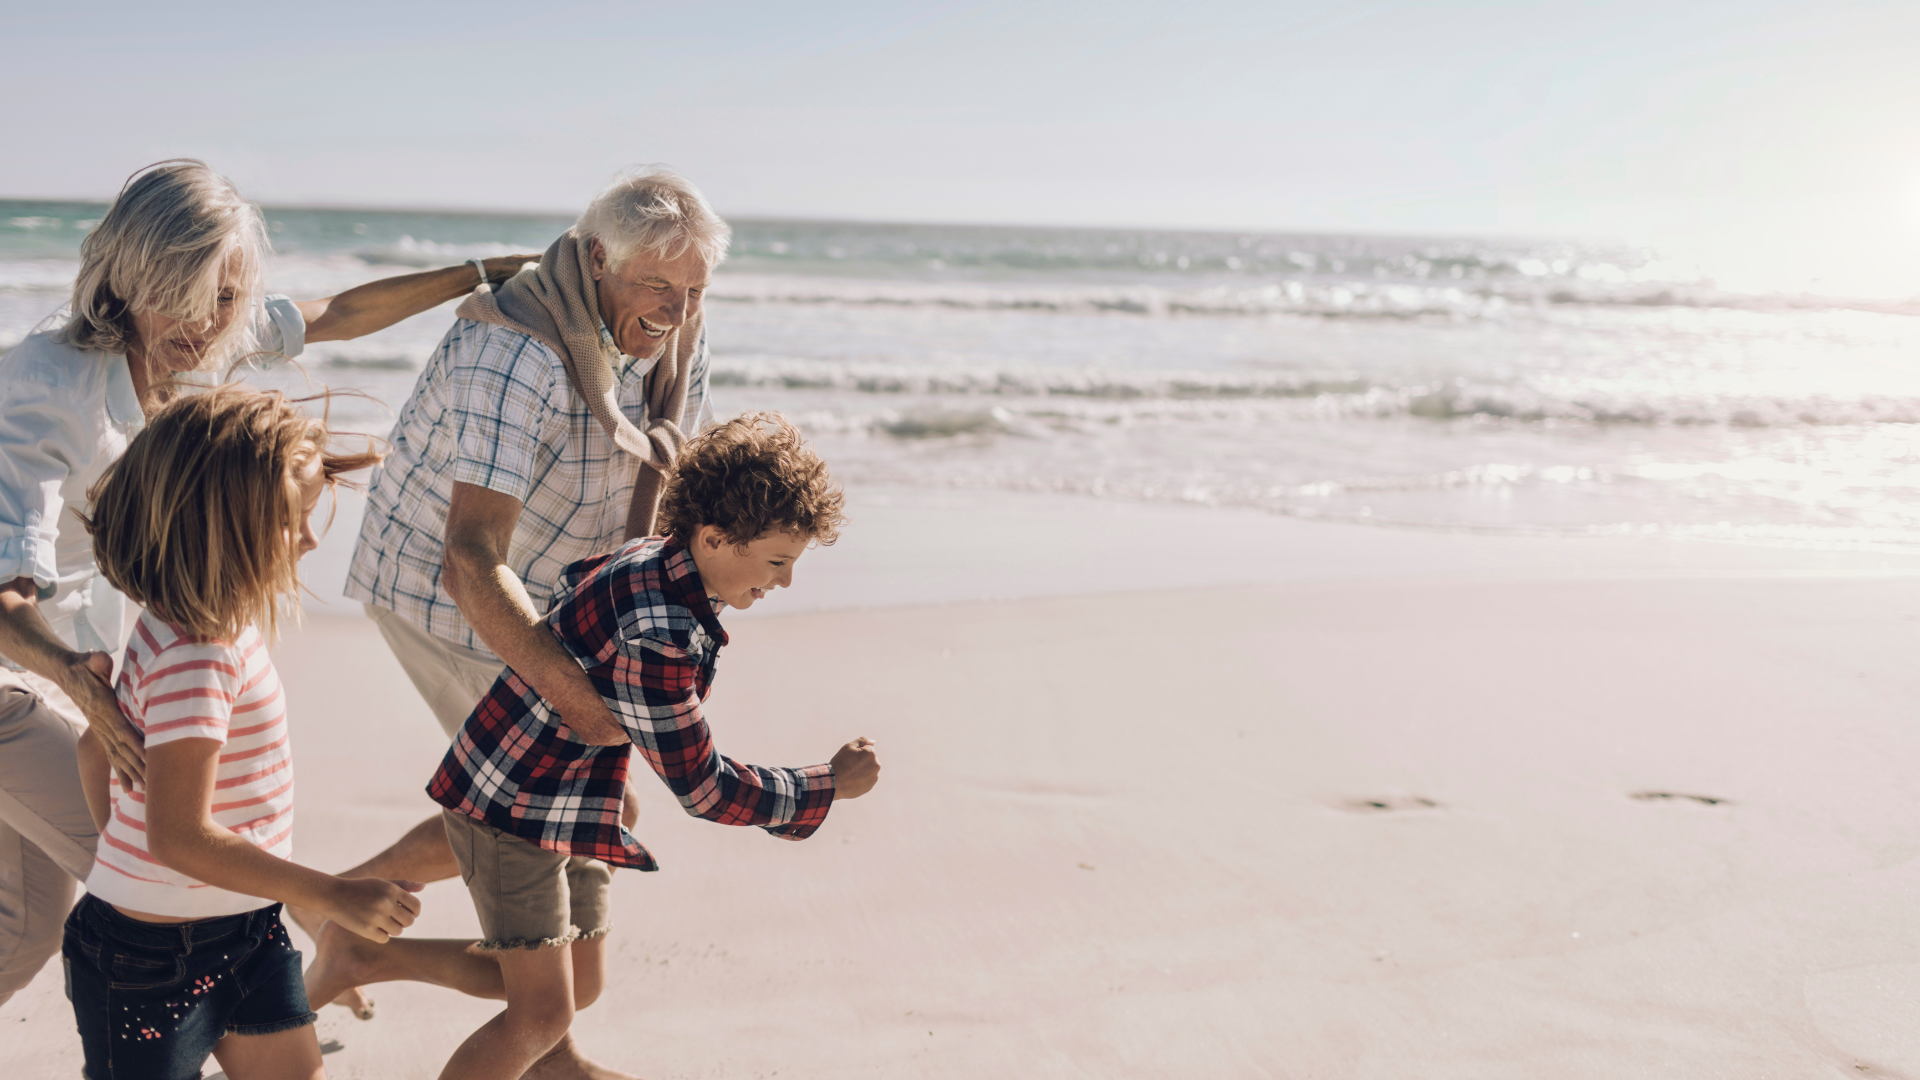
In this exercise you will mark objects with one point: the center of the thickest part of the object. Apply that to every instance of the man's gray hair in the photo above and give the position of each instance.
(656, 210)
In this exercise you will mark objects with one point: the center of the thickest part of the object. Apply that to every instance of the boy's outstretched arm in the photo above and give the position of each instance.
(652, 692)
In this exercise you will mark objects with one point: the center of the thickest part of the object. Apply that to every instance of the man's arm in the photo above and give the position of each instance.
(475, 573)
(377, 305)
(27, 640)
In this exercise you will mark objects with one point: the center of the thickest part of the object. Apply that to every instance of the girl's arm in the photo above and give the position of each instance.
(183, 836)
(377, 305)
(93, 779)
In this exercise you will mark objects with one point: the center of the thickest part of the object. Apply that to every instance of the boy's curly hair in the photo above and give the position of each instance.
(750, 476)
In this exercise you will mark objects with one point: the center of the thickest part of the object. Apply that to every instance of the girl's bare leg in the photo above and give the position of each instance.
(293, 1054)
(344, 959)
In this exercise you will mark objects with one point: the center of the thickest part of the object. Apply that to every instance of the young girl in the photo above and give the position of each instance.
(177, 950)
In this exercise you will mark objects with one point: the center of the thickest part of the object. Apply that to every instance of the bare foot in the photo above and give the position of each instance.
(340, 965)
(564, 1062)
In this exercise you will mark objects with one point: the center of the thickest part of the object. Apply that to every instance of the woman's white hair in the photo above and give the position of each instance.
(656, 210)
(165, 245)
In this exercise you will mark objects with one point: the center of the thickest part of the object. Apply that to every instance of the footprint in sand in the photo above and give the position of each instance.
(1655, 796)
(1387, 804)
(1867, 1014)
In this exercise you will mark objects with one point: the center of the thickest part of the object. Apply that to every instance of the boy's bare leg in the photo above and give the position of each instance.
(284, 1055)
(421, 855)
(539, 1011)
(565, 1062)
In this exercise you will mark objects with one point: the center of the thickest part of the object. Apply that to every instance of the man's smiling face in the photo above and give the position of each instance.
(648, 297)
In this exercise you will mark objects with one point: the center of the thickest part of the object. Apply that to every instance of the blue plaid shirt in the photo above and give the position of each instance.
(494, 408)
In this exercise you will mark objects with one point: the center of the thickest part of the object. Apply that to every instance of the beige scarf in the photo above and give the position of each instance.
(557, 303)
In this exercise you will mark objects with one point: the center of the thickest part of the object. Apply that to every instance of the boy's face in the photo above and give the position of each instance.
(739, 575)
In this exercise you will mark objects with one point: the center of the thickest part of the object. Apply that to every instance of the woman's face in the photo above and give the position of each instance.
(168, 344)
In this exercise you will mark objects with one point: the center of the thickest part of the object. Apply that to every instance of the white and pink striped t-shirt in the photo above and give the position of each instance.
(175, 686)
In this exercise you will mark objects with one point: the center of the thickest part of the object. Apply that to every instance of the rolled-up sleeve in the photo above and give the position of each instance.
(41, 439)
(282, 329)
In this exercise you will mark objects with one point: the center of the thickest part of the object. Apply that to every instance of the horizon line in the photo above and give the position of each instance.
(1404, 234)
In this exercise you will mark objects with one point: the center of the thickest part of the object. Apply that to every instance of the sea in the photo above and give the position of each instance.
(1530, 386)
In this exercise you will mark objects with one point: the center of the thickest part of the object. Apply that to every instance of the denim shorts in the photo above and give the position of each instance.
(152, 999)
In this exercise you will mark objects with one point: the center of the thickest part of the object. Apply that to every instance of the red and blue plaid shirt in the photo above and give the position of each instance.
(640, 624)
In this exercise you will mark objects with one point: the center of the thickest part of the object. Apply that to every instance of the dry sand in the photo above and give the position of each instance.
(1458, 807)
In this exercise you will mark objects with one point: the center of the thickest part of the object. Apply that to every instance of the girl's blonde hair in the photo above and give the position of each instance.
(164, 246)
(198, 522)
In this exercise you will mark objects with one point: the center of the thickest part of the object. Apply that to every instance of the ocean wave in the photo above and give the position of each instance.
(1096, 396)
(426, 253)
(1341, 298)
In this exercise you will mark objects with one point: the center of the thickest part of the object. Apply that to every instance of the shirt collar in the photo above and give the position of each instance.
(626, 366)
(684, 585)
(123, 405)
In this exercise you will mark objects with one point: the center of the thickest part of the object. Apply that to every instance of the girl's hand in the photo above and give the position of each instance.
(856, 768)
(374, 908)
(89, 682)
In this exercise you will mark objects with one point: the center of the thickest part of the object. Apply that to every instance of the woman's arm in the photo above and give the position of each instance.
(183, 836)
(86, 677)
(377, 305)
(93, 780)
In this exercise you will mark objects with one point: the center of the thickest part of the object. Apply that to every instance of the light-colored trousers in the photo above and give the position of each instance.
(46, 834)
(452, 678)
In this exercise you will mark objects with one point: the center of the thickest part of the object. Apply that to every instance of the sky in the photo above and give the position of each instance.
(1623, 119)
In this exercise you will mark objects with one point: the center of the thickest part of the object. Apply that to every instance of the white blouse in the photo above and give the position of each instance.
(65, 415)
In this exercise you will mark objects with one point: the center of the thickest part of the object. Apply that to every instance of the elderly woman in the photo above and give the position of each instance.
(169, 283)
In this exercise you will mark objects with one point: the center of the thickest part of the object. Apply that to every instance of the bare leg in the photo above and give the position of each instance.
(565, 1062)
(421, 855)
(284, 1055)
(344, 960)
(539, 1010)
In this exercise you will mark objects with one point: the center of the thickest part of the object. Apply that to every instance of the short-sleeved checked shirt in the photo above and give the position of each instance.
(640, 624)
(494, 408)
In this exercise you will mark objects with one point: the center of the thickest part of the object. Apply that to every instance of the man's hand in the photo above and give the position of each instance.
(595, 730)
(89, 682)
(856, 768)
(374, 908)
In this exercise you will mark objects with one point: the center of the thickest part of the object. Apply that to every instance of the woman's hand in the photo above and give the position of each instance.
(375, 908)
(89, 682)
(502, 267)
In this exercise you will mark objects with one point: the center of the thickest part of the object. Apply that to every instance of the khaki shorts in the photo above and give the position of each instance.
(527, 896)
(452, 678)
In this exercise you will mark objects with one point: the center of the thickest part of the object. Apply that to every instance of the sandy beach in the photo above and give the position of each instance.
(1178, 792)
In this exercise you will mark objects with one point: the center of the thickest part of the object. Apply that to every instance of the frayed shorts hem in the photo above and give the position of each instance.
(573, 934)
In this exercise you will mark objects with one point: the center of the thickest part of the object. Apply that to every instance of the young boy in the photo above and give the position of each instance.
(533, 813)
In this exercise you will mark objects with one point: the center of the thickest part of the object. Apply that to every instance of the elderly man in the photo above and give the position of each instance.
(534, 438)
